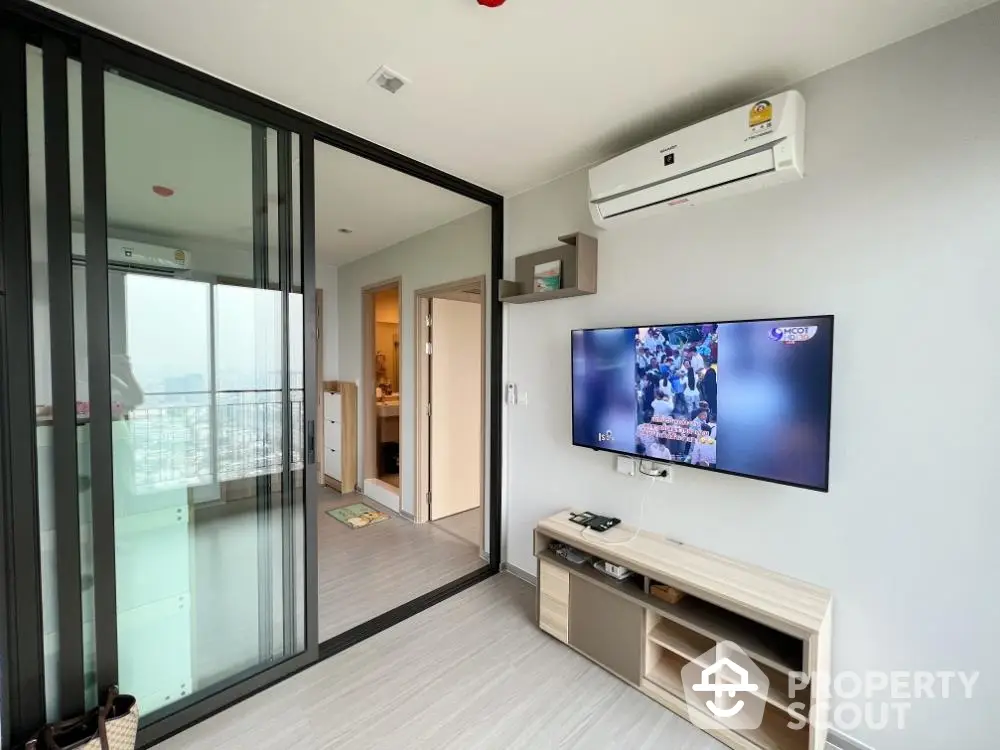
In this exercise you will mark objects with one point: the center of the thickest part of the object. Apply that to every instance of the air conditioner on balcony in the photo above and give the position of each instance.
(745, 149)
(124, 253)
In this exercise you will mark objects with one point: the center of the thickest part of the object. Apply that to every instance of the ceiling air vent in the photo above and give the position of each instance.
(388, 79)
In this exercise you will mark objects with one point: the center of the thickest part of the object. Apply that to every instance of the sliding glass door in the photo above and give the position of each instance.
(172, 428)
(206, 401)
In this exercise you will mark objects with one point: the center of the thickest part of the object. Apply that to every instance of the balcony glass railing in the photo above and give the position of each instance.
(185, 439)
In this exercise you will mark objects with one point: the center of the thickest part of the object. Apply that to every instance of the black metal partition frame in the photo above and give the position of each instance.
(22, 660)
(22, 700)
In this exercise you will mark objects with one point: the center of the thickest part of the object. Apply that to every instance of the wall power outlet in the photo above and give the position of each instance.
(662, 472)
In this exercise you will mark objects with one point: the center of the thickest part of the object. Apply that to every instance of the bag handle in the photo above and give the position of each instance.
(102, 716)
(102, 729)
(46, 738)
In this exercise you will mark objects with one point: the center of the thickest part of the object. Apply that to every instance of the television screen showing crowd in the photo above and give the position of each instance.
(654, 392)
(676, 387)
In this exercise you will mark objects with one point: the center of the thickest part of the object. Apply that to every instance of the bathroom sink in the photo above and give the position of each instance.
(388, 409)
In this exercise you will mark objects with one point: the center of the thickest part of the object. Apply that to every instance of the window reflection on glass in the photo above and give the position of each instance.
(173, 371)
(200, 420)
(250, 383)
(162, 377)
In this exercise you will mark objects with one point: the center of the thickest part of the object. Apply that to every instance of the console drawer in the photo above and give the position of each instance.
(553, 581)
(553, 617)
(553, 600)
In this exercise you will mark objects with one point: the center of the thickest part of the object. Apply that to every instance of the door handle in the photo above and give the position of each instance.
(311, 442)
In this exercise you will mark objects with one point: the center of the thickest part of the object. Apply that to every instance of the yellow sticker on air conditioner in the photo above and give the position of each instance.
(760, 113)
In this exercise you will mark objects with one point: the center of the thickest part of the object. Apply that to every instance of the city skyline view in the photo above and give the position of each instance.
(183, 335)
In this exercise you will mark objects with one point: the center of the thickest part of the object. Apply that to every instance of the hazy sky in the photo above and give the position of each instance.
(168, 328)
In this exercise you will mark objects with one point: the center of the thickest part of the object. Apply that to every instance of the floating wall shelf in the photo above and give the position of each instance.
(578, 254)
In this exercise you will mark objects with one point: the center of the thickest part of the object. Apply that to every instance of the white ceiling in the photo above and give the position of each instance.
(381, 206)
(515, 96)
(153, 138)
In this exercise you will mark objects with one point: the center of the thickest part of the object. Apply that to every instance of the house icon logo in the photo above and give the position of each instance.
(725, 688)
(712, 683)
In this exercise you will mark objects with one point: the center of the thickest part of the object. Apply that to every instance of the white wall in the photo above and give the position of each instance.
(896, 231)
(454, 251)
(326, 279)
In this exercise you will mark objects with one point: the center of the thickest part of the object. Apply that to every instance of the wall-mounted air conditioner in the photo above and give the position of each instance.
(755, 146)
(139, 254)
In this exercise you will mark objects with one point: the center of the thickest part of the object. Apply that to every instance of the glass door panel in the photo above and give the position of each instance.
(206, 429)
(62, 426)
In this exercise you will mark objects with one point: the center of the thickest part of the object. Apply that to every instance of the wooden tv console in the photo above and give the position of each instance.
(781, 623)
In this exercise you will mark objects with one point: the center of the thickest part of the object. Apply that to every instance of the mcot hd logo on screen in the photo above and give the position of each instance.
(793, 334)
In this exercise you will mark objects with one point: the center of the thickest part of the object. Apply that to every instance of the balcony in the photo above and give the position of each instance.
(187, 439)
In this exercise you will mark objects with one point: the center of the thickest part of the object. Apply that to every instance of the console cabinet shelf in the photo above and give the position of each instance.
(781, 624)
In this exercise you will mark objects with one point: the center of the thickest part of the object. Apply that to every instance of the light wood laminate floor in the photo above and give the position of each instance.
(467, 525)
(471, 673)
(365, 572)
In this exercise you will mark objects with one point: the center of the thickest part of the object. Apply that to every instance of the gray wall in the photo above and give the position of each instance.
(326, 279)
(895, 230)
(451, 252)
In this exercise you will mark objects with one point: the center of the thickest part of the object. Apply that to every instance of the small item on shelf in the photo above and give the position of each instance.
(593, 521)
(618, 572)
(569, 553)
(603, 523)
(667, 593)
(548, 276)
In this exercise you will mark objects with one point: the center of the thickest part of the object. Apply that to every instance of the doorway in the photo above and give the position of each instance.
(381, 350)
(451, 319)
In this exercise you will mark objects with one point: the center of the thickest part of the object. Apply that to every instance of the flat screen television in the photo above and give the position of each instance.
(743, 397)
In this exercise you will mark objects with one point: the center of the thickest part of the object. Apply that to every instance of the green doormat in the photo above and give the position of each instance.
(357, 516)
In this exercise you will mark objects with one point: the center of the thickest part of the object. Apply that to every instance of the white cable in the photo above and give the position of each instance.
(656, 473)
(635, 534)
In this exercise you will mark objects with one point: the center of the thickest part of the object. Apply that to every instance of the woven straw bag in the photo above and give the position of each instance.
(113, 726)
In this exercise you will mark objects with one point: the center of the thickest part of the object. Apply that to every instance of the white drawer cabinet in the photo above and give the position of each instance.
(332, 406)
(332, 437)
(331, 464)
(339, 435)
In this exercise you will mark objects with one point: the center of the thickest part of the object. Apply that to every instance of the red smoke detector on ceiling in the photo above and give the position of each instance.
(492, 3)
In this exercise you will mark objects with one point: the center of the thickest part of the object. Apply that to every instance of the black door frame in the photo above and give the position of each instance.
(23, 697)
(23, 656)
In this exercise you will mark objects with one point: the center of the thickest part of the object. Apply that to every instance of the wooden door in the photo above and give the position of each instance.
(456, 429)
